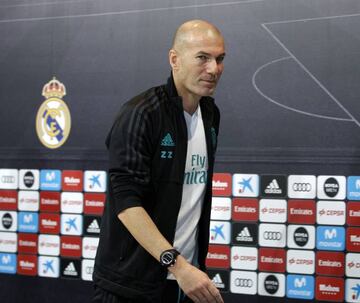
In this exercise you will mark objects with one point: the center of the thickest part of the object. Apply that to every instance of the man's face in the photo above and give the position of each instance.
(200, 65)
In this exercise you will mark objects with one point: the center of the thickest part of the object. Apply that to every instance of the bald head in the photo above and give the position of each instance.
(194, 31)
(196, 60)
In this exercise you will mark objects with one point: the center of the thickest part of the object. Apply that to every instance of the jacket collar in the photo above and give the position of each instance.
(206, 102)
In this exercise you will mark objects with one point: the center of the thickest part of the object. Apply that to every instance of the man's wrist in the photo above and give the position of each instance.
(179, 267)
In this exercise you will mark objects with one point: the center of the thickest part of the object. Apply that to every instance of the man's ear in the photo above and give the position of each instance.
(173, 59)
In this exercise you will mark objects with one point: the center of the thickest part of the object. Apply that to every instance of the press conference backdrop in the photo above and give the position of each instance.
(285, 216)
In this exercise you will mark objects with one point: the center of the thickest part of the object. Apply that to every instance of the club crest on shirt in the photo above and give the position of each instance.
(53, 120)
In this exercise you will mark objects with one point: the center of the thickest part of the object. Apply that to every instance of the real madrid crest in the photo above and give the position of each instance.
(53, 120)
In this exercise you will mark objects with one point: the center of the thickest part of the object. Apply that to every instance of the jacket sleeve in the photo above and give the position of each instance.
(129, 145)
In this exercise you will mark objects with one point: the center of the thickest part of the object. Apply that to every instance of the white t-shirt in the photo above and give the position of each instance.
(194, 186)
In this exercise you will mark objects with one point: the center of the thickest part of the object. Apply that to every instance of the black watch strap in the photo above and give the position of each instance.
(168, 257)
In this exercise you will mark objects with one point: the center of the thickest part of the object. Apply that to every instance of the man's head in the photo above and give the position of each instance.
(196, 58)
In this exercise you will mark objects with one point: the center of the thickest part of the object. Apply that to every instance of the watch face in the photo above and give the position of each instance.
(167, 258)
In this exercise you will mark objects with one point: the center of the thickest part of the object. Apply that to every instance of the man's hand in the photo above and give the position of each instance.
(195, 283)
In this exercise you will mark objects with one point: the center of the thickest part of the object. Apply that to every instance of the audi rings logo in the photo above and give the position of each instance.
(272, 235)
(302, 187)
(247, 283)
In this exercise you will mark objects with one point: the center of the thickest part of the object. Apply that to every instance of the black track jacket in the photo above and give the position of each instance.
(147, 169)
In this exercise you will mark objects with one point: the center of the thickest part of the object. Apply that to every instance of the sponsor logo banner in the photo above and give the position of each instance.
(219, 232)
(95, 181)
(70, 268)
(28, 222)
(300, 261)
(29, 179)
(353, 213)
(50, 179)
(87, 269)
(8, 199)
(220, 278)
(50, 201)
(329, 289)
(353, 188)
(301, 211)
(72, 202)
(92, 225)
(271, 284)
(49, 245)
(71, 224)
(330, 263)
(353, 239)
(244, 257)
(9, 178)
(243, 282)
(353, 265)
(272, 259)
(300, 287)
(27, 265)
(352, 290)
(89, 247)
(49, 267)
(94, 203)
(245, 185)
(218, 256)
(221, 184)
(301, 236)
(272, 235)
(28, 200)
(330, 212)
(331, 187)
(72, 180)
(244, 234)
(220, 208)
(301, 187)
(7, 263)
(71, 246)
(273, 186)
(27, 243)
(273, 210)
(245, 209)
(49, 223)
(8, 242)
(8, 220)
(330, 238)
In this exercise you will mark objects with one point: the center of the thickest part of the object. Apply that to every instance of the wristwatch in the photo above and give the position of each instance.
(168, 257)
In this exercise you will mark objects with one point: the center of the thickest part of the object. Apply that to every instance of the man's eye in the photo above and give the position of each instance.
(202, 58)
(220, 59)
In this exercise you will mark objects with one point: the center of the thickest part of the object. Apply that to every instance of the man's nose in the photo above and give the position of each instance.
(213, 67)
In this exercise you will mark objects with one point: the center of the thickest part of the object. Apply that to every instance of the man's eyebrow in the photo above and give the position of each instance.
(207, 54)
(203, 53)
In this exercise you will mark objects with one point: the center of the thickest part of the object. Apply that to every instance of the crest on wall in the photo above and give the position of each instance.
(53, 120)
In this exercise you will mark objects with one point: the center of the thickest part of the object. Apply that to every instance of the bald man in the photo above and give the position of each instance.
(155, 227)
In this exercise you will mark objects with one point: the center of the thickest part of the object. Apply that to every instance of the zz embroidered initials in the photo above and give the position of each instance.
(166, 154)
